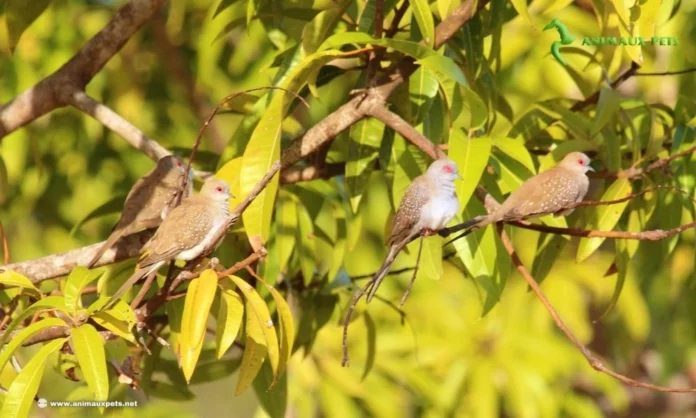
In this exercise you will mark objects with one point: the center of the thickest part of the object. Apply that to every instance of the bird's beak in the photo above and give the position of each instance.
(460, 177)
(590, 169)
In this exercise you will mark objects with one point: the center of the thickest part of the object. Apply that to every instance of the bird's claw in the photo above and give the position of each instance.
(426, 232)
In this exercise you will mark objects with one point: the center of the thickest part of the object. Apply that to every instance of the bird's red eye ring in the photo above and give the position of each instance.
(581, 161)
(448, 169)
(219, 188)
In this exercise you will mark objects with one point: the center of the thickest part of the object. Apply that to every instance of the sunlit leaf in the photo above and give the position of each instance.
(19, 15)
(306, 247)
(13, 279)
(47, 303)
(199, 299)
(25, 333)
(365, 138)
(607, 105)
(77, 280)
(604, 217)
(316, 31)
(471, 156)
(371, 339)
(89, 349)
(255, 350)
(287, 331)
(20, 395)
(229, 319)
(426, 24)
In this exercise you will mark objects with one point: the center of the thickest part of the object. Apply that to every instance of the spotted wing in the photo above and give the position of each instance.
(549, 192)
(409, 210)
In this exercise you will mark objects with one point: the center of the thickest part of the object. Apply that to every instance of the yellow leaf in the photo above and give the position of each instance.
(229, 318)
(199, 299)
(255, 351)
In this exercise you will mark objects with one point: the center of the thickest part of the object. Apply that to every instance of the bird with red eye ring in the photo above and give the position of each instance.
(190, 231)
(553, 191)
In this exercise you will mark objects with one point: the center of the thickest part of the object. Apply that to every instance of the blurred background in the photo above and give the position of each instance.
(464, 346)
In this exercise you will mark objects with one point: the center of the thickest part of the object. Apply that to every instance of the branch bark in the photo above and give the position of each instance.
(53, 91)
(395, 122)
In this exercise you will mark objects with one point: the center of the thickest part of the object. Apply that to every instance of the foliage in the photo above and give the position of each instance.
(473, 343)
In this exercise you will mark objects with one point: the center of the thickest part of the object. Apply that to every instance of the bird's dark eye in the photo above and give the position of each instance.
(219, 189)
(178, 163)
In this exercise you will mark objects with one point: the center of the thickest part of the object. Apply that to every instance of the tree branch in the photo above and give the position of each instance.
(594, 361)
(360, 106)
(614, 84)
(404, 128)
(118, 124)
(50, 93)
(653, 235)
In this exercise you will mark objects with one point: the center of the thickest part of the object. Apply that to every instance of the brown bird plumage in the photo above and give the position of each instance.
(549, 192)
(428, 205)
(148, 201)
(186, 233)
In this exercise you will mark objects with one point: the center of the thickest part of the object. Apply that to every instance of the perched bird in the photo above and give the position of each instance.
(148, 201)
(552, 191)
(429, 204)
(186, 233)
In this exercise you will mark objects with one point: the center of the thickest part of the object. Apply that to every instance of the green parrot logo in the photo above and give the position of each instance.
(566, 39)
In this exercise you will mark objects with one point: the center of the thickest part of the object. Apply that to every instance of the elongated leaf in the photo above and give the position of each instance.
(199, 300)
(286, 225)
(255, 350)
(306, 248)
(89, 349)
(431, 258)
(607, 105)
(371, 339)
(47, 303)
(521, 7)
(13, 279)
(471, 156)
(316, 31)
(120, 319)
(363, 149)
(274, 401)
(77, 280)
(229, 318)
(426, 24)
(263, 148)
(25, 333)
(516, 150)
(20, 395)
(19, 14)
(287, 331)
(604, 217)
(4, 182)
(262, 315)
(113, 205)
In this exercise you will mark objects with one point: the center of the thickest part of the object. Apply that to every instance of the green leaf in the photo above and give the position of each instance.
(371, 338)
(229, 318)
(607, 105)
(622, 261)
(274, 401)
(259, 312)
(113, 205)
(516, 150)
(474, 112)
(604, 217)
(306, 248)
(4, 182)
(287, 331)
(120, 319)
(442, 66)
(363, 149)
(89, 349)
(263, 148)
(316, 31)
(13, 279)
(19, 15)
(423, 87)
(431, 258)
(199, 300)
(471, 157)
(47, 303)
(77, 280)
(25, 333)
(20, 395)
(426, 24)
(286, 225)
(255, 350)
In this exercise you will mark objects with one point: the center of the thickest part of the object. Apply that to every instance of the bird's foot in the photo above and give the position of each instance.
(426, 232)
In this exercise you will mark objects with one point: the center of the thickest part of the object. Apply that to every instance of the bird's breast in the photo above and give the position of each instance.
(439, 211)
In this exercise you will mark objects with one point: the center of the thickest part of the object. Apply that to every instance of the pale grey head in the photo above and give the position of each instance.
(576, 162)
(216, 189)
(444, 170)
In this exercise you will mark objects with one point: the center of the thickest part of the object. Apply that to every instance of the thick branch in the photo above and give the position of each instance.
(359, 107)
(50, 92)
(118, 124)
(404, 128)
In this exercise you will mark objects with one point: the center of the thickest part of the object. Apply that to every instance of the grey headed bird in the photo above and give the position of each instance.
(429, 204)
(148, 201)
(553, 191)
(186, 233)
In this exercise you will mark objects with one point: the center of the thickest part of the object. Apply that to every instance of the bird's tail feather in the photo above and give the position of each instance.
(137, 275)
(115, 236)
(379, 276)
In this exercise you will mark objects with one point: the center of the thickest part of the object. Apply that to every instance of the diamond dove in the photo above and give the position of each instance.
(429, 204)
(188, 231)
(148, 201)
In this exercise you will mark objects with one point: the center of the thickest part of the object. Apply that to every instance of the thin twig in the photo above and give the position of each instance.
(616, 83)
(415, 273)
(5, 246)
(143, 290)
(688, 70)
(594, 361)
